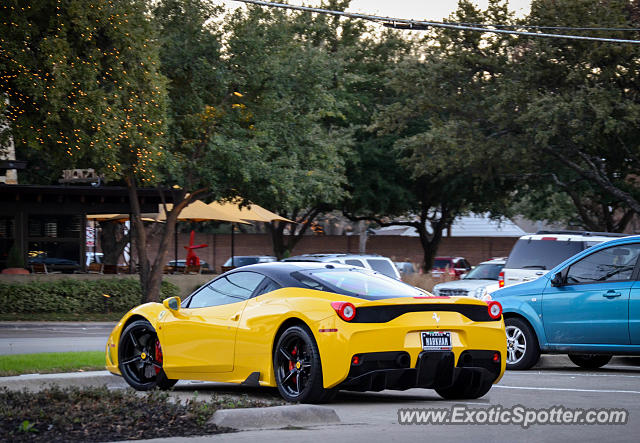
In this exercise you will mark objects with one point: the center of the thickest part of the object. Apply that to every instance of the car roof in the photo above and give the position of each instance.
(281, 271)
(252, 256)
(494, 261)
(319, 257)
(573, 236)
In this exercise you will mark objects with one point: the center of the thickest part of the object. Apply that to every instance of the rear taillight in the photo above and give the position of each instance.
(344, 309)
(501, 279)
(495, 309)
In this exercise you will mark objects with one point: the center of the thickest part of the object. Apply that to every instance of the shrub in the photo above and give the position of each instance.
(75, 296)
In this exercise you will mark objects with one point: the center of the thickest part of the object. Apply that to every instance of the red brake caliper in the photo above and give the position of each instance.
(293, 354)
(158, 357)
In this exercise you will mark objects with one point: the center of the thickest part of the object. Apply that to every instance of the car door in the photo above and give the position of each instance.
(592, 306)
(200, 337)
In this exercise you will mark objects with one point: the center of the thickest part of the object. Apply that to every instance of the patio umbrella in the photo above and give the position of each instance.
(253, 212)
(198, 211)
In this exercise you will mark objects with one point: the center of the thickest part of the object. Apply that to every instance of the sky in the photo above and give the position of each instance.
(408, 9)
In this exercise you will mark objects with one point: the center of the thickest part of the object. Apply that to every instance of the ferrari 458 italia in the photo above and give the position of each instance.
(312, 329)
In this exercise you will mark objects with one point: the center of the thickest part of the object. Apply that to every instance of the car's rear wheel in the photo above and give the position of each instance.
(590, 361)
(140, 358)
(296, 362)
(522, 346)
(468, 385)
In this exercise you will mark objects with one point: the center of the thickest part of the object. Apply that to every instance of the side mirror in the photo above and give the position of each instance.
(172, 303)
(557, 280)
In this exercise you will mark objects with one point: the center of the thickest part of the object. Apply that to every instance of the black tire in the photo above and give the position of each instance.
(140, 358)
(297, 367)
(590, 361)
(468, 385)
(522, 344)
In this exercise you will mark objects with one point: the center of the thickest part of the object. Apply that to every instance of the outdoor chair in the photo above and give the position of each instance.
(39, 268)
(94, 268)
(110, 269)
(192, 269)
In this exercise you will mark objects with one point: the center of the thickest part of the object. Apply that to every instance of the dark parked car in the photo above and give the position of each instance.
(453, 266)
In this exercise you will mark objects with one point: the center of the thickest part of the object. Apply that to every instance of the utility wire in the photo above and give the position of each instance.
(557, 28)
(400, 23)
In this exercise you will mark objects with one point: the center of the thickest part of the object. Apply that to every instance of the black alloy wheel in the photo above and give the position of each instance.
(140, 358)
(298, 371)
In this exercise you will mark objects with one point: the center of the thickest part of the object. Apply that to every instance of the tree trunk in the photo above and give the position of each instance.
(283, 245)
(151, 273)
(113, 241)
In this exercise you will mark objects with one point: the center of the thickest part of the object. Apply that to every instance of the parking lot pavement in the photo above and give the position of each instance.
(35, 337)
(555, 382)
(369, 417)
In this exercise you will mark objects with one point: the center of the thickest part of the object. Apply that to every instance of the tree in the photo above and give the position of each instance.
(284, 83)
(85, 90)
(433, 127)
(575, 108)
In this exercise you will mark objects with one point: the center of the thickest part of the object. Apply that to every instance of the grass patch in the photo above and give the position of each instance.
(98, 414)
(51, 362)
(54, 316)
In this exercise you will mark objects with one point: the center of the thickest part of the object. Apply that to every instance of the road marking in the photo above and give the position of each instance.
(570, 374)
(530, 388)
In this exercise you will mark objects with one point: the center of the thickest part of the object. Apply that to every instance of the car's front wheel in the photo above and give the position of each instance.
(522, 346)
(297, 366)
(140, 357)
(590, 361)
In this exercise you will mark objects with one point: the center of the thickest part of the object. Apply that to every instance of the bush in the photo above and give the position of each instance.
(75, 296)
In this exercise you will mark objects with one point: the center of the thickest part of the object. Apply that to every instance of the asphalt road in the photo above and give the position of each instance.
(36, 337)
(555, 382)
(372, 417)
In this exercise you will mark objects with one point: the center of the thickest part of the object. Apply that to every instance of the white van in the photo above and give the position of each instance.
(534, 255)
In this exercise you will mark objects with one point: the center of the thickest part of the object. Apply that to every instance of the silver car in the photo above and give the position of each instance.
(479, 282)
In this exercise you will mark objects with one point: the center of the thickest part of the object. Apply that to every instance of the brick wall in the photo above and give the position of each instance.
(474, 249)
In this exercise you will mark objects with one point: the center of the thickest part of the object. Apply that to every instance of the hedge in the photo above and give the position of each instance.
(75, 296)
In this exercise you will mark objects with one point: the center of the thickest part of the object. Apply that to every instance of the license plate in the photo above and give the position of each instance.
(436, 340)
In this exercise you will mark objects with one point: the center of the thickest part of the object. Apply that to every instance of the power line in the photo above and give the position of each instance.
(400, 23)
(557, 28)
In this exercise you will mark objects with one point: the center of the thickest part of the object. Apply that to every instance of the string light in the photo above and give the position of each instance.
(67, 112)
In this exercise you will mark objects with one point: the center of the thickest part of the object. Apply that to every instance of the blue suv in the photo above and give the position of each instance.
(587, 307)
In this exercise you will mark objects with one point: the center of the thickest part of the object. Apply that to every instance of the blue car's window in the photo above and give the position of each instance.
(231, 288)
(357, 282)
(611, 264)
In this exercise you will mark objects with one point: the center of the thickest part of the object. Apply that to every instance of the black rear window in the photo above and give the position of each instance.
(356, 282)
(541, 254)
(442, 263)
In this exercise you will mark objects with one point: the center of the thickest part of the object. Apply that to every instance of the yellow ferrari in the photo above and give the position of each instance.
(312, 329)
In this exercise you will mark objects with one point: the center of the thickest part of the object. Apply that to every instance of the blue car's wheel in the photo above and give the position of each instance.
(297, 367)
(522, 345)
(590, 361)
(140, 358)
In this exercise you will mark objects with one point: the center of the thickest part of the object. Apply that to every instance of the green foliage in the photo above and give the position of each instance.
(285, 84)
(83, 87)
(577, 103)
(102, 414)
(75, 296)
(15, 259)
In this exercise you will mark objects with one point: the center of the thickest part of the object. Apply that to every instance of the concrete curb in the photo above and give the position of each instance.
(36, 382)
(274, 417)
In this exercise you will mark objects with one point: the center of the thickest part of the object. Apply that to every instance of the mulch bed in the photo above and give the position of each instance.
(100, 414)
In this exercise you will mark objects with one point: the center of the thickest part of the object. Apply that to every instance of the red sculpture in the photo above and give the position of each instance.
(192, 258)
